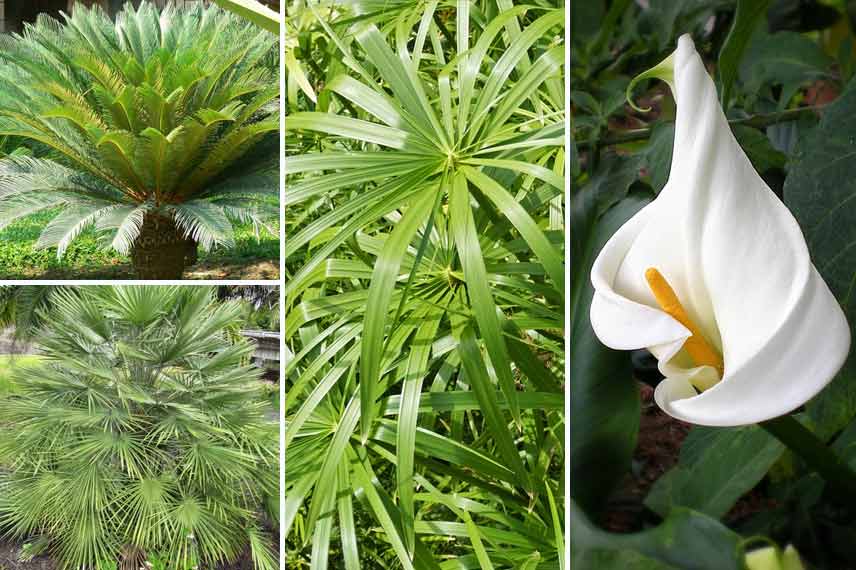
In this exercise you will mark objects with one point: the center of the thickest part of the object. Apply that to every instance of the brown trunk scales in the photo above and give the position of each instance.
(160, 251)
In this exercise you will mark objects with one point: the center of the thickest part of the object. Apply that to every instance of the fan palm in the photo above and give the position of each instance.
(425, 316)
(143, 433)
(161, 127)
(22, 308)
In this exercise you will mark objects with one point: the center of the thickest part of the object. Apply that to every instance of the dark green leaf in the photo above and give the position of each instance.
(746, 18)
(587, 17)
(686, 540)
(657, 156)
(668, 19)
(615, 559)
(819, 190)
(758, 148)
(787, 59)
(604, 411)
(717, 466)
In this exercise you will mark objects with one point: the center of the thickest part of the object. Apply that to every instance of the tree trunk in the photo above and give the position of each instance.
(191, 252)
(160, 250)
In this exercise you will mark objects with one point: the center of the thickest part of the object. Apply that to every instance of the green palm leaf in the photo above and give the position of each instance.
(142, 431)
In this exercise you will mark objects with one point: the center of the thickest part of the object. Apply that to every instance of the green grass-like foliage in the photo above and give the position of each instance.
(144, 431)
(171, 113)
(425, 286)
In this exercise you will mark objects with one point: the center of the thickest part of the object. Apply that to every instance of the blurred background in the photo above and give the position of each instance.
(801, 56)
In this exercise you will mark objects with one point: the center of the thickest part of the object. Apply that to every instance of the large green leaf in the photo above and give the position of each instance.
(604, 411)
(257, 13)
(686, 540)
(746, 18)
(717, 466)
(758, 148)
(787, 59)
(657, 154)
(819, 190)
(587, 18)
(667, 19)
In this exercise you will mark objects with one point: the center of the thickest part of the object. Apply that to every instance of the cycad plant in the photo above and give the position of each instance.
(254, 11)
(160, 129)
(143, 433)
(425, 253)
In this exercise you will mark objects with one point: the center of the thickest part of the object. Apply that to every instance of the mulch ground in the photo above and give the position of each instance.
(10, 559)
(258, 270)
(219, 269)
(657, 451)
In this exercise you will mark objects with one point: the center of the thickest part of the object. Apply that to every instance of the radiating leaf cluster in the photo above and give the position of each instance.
(167, 112)
(425, 318)
(143, 431)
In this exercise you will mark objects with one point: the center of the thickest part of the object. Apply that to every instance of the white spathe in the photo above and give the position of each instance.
(738, 263)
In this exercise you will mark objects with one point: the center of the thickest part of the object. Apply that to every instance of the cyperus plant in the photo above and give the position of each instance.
(162, 127)
(144, 432)
(426, 283)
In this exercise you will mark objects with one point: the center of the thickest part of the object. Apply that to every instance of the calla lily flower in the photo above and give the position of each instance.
(714, 278)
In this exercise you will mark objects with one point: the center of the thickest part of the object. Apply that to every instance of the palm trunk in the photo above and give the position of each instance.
(191, 252)
(131, 557)
(160, 250)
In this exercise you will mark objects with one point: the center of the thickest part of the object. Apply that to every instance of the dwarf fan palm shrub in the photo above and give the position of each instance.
(143, 433)
(22, 308)
(162, 127)
(425, 254)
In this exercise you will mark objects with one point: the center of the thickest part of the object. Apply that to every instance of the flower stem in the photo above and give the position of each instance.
(799, 439)
(756, 121)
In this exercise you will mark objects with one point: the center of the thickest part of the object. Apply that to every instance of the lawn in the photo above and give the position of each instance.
(8, 364)
(251, 258)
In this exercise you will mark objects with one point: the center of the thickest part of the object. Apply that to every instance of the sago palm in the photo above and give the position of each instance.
(161, 128)
(143, 433)
(426, 289)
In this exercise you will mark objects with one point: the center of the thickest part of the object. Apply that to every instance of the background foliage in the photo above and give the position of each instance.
(425, 285)
(784, 70)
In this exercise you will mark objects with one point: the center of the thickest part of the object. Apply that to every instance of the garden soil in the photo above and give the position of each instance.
(657, 451)
(10, 559)
(217, 269)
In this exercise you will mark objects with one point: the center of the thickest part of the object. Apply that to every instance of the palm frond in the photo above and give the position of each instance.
(159, 107)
